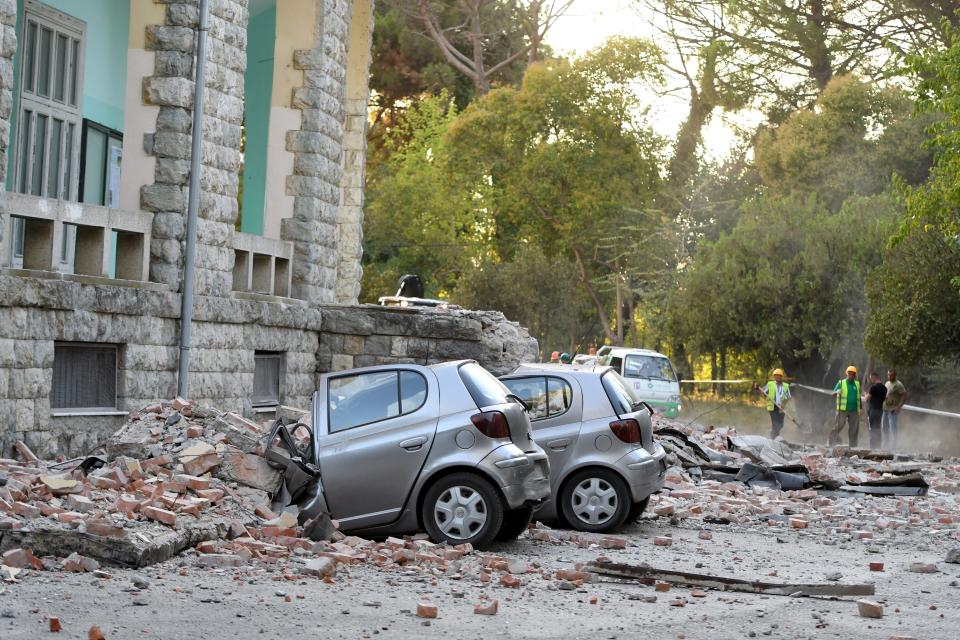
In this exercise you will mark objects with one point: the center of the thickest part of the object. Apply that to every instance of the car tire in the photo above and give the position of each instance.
(463, 508)
(637, 510)
(595, 500)
(514, 523)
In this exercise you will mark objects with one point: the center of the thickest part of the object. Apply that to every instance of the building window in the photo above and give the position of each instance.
(48, 116)
(266, 378)
(100, 156)
(84, 377)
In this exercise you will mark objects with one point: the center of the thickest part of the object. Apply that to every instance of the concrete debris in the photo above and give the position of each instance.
(869, 609)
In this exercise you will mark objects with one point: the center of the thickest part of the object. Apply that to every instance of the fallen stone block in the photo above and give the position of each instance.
(320, 567)
(869, 609)
(953, 556)
(61, 485)
(922, 567)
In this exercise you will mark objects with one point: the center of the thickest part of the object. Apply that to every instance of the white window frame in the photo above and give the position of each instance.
(32, 106)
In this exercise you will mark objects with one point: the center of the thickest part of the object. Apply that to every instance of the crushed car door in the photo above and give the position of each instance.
(378, 427)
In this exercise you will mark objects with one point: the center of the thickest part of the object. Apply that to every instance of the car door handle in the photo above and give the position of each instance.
(558, 445)
(413, 444)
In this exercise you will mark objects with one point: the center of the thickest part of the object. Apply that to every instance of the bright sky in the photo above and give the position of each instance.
(589, 23)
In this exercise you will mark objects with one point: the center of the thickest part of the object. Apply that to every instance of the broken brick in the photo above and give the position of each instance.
(160, 515)
(54, 625)
(488, 609)
(95, 633)
(663, 541)
(425, 610)
(511, 581)
(613, 543)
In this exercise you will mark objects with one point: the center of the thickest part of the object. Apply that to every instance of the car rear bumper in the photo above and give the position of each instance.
(644, 472)
(523, 477)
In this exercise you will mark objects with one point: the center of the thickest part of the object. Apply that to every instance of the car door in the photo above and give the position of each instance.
(555, 409)
(377, 428)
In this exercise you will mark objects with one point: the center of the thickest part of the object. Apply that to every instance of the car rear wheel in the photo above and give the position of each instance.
(637, 510)
(595, 500)
(463, 508)
(514, 523)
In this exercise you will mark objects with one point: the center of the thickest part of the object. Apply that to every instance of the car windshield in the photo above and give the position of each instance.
(619, 393)
(483, 387)
(648, 368)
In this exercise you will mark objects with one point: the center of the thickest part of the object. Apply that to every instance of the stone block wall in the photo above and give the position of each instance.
(171, 88)
(143, 322)
(8, 47)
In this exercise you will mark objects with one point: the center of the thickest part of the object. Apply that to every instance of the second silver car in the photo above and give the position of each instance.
(604, 463)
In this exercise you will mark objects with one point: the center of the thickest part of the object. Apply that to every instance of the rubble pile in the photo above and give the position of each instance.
(175, 476)
(720, 477)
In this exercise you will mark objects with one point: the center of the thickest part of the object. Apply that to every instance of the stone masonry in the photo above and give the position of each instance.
(317, 149)
(171, 88)
(312, 333)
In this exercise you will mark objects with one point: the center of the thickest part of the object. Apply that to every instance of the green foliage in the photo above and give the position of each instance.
(538, 291)
(787, 283)
(418, 218)
(852, 142)
(914, 305)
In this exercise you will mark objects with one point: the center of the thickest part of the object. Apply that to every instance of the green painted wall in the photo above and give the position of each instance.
(105, 61)
(258, 87)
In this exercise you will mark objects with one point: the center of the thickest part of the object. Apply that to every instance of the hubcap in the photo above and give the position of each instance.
(460, 512)
(594, 501)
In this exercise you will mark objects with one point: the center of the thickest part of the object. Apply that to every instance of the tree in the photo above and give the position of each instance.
(466, 32)
(566, 160)
(418, 218)
(854, 139)
(538, 291)
(787, 284)
(914, 302)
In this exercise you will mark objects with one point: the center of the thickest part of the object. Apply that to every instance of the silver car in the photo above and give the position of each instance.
(604, 463)
(403, 448)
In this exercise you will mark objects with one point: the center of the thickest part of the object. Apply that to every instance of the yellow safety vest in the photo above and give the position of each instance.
(772, 394)
(842, 398)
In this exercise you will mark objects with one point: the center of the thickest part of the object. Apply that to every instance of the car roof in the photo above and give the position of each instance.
(550, 367)
(619, 351)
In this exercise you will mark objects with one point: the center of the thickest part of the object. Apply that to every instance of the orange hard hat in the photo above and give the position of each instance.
(778, 372)
(852, 369)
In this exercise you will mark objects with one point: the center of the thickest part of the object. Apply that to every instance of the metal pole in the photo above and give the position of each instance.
(193, 203)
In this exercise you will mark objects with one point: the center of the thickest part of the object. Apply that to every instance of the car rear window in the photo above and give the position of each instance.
(482, 386)
(618, 392)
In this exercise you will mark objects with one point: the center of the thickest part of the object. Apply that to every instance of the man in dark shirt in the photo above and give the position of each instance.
(876, 394)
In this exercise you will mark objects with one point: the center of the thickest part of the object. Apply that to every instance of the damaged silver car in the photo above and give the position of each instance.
(441, 448)
(604, 462)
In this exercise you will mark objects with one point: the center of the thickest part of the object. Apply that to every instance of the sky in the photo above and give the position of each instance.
(589, 23)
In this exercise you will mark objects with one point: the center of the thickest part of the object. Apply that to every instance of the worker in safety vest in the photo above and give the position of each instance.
(849, 403)
(777, 393)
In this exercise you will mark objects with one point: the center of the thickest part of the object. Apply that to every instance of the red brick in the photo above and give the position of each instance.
(160, 515)
(77, 563)
(425, 610)
(320, 567)
(573, 576)
(55, 626)
(664, 509)
(105, 528)
(194, 432)
(220, 560)
(213, 495)
(663, 541)
(95, 633)
(80, 503)
(199, 465)
(192, 482)
(613, 543)
(507, 580)
(21, 559)
(25, 452)
(662, 586)
(876, 566)
(487, 609)
(26, 510)
(264, 512)
(69, 516)
(179, 404)
(798, 523)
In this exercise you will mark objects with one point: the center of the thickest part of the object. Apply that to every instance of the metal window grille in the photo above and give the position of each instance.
(84, 376)
(48, 126)
(266, 378)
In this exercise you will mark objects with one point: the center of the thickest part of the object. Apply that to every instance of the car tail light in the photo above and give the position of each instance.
(492, 424)
(626, 430)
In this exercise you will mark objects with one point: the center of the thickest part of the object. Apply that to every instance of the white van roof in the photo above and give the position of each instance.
(624, 351)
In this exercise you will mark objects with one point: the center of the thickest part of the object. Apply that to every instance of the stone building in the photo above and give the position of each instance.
(95, 132)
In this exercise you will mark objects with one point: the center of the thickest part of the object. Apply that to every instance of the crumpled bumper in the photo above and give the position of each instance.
(523, 477)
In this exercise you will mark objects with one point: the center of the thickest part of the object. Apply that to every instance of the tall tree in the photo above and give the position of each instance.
(467, 32)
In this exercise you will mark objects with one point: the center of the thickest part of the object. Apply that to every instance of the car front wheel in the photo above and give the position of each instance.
(595, 500)
(463, 508)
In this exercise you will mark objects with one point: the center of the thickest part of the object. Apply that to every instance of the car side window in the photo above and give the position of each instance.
(363, 398)
(533, 391)
(413, 391)
(559, 396)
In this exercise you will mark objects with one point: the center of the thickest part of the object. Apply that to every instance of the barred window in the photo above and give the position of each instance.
(266, 378)
(84, 376)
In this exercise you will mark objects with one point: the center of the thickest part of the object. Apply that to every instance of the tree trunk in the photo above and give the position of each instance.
(597, 303)
(619, 307)
(723, 368)
(714, 371)
(816, 50)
